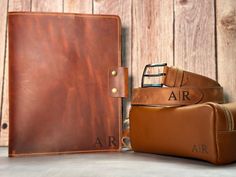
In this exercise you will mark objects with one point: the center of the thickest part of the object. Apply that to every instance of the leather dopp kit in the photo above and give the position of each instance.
(66, 83)
(183, 116)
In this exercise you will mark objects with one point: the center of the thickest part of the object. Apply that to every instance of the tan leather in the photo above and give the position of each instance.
(159, 123)
(118, 81)
(181, 88)
(60, 83)
(176, 77)
(176, 95)
(203, 131)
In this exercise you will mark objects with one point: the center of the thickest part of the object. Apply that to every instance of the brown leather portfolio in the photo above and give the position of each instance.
(66, 83)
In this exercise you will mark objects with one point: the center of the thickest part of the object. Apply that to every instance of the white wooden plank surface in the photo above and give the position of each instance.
(152, 35)
(195, 36)
(3, 38)
(78, 6)
(226, 46)
(19, 5)
(47, 6)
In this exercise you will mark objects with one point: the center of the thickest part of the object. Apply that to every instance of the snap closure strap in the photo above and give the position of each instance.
(118, 82)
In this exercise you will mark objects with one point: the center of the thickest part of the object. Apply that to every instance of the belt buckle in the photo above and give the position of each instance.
(152, 75)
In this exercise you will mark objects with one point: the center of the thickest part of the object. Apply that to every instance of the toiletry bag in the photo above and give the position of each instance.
(203, 131)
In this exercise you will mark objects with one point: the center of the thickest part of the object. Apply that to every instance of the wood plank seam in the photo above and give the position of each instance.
(173, 1)
(31, 5)
(2, 132)
(216, 42)
(63, 7)
(93, 6)
(131, 53)
(4, 63)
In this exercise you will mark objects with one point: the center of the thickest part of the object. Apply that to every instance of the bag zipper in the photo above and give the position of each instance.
(229, 118)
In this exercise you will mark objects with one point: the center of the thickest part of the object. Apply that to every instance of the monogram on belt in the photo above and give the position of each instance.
(177, 87)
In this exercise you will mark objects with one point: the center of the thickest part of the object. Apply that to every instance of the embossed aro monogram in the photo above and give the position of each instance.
(201, 148)
(110, 141)
(181, 95)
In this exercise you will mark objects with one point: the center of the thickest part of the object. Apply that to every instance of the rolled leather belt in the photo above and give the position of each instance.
(178, 87)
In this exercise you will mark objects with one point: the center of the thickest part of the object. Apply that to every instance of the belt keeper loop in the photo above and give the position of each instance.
(179, 78)
(165, 70)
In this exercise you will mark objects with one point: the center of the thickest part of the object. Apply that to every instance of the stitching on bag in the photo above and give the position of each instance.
(228, 117)
(232, 120)
(216, 136)
(226, 132)
(215, 133)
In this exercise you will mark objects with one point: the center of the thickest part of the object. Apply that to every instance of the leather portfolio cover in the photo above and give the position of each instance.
(65, 83)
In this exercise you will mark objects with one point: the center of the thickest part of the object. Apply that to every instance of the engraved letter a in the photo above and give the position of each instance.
(98, 142)
(172, 96)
